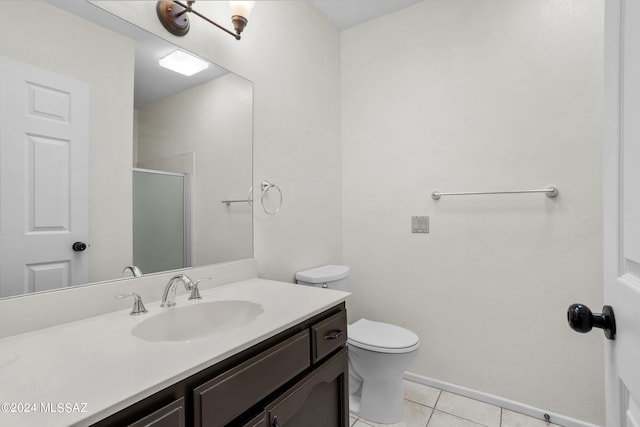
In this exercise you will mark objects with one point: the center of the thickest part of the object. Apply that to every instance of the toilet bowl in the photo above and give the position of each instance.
(379, 354)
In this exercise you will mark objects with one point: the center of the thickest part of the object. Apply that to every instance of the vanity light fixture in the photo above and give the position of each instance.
(183, 63)
(173, 16)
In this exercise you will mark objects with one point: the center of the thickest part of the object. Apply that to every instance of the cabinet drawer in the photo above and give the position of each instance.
(220, 400)
(258, 421)
(171, 415)
(328, 335)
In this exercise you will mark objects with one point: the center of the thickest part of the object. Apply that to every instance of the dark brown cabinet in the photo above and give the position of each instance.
(297, 378)
(224, 398)
(171, 415)
(318, 400)
(258, 421)
(328, 335)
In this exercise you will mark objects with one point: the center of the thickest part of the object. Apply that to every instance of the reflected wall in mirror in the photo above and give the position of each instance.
(72, 132)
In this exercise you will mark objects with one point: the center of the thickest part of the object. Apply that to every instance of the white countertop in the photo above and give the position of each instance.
(84, 371)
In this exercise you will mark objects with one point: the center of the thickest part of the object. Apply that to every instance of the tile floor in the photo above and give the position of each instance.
(426, 406)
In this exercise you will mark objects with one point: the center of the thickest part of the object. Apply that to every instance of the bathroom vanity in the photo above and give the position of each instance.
(298, 377)
(285, 367)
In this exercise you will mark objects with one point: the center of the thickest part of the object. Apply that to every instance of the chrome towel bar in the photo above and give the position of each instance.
(228, 202)
(249, 199)
(550, 192)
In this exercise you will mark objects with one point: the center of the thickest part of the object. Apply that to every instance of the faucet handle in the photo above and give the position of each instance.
(195, 292)
(138, 306)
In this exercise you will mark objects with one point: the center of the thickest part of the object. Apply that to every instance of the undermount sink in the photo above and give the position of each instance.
(197, 320)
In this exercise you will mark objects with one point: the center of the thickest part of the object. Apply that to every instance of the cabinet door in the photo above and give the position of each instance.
(171, 415)
(318, 400)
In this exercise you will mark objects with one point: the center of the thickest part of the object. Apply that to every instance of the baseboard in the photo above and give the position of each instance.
(499, 401)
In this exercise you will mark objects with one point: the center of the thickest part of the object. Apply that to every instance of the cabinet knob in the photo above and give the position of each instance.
(275, 422)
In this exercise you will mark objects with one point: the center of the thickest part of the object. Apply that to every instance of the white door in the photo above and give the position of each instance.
(622, 210)
(44, 179)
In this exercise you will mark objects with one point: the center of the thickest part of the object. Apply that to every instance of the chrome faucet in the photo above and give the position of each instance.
(169, 295)
(135, 270)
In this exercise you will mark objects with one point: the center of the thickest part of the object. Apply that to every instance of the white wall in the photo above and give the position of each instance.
(46, 37)
(213, 123)
(292, 55)
(479, 95)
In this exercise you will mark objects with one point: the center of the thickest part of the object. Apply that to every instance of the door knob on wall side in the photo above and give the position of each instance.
(582, 320)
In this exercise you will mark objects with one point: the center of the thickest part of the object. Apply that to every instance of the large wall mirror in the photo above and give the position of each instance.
(108, 160)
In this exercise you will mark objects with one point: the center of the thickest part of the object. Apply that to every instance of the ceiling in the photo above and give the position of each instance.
(157, 83)
(345, 14)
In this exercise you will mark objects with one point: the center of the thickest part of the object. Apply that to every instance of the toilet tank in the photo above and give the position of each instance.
(327, 276)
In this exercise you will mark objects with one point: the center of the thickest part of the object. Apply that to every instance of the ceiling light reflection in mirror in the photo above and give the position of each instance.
(183, 63)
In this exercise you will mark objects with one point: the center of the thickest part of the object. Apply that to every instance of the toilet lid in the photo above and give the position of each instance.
(382, 337)
(326, 273)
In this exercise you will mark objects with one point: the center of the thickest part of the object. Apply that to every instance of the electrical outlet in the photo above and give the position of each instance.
(419, 224)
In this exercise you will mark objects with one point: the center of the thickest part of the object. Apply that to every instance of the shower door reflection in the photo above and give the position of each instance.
(161, 220)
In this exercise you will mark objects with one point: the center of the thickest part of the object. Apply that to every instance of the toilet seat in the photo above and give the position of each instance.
(381, 337)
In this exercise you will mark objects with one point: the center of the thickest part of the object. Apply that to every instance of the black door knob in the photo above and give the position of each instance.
(582, 320)
(79, 246)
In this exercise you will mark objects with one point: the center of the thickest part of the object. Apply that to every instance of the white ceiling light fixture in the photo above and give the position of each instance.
(181, 62)
(173, 16)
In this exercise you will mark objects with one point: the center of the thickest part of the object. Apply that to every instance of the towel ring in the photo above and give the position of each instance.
(266, 185)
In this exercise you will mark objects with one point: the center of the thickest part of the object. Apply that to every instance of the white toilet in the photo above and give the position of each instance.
(379, 354)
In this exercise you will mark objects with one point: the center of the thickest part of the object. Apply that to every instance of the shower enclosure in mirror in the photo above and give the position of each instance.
(161, 242)
(83, 103)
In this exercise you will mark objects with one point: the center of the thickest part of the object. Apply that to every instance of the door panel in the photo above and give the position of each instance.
(48, 187)
(49, 103)
(47, 276)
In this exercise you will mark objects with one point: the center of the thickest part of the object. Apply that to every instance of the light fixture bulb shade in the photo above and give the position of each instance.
(241, 8)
